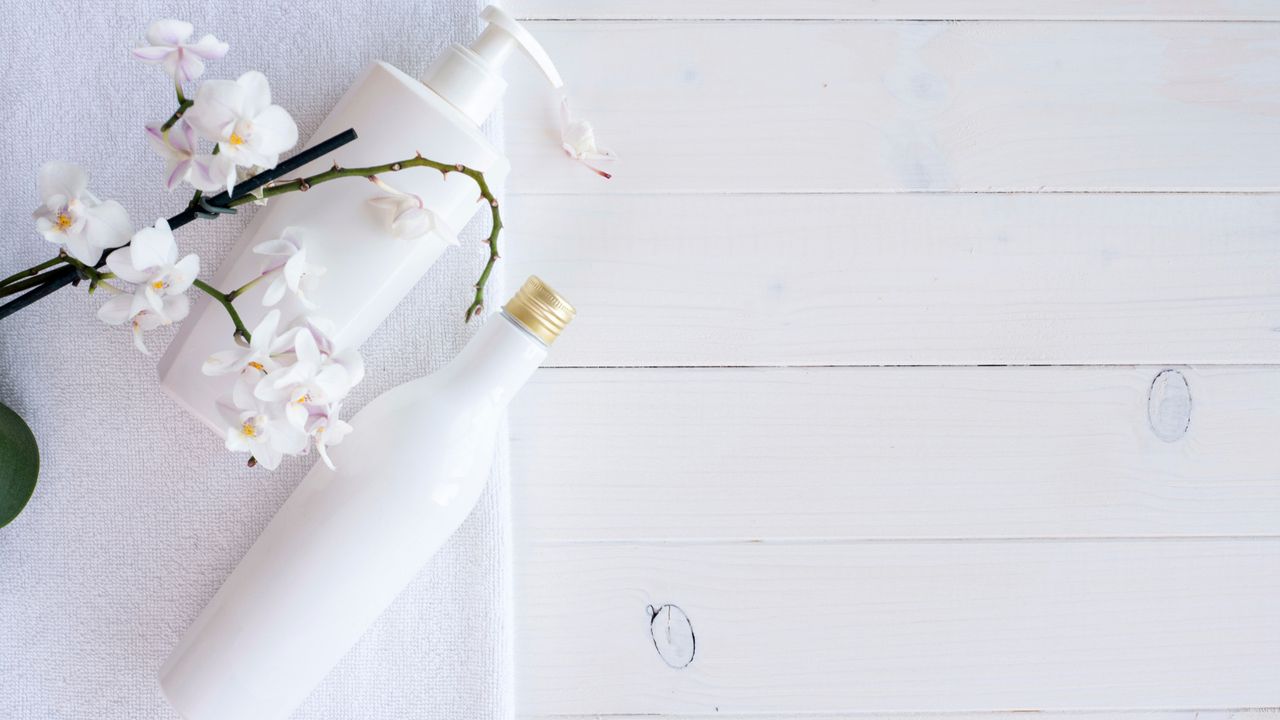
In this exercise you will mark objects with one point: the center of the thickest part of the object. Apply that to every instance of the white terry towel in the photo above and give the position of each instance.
(140, 513)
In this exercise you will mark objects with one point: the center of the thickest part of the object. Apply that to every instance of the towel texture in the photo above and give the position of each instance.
(140, 514)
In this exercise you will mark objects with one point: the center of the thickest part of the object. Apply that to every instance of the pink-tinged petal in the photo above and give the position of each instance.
(153, 54)
(218, 104)
(387, 203)
(188, 66)
(107, 225)
(116, 309)
(274, 131)
(62, 179)
(183, 274)
(208, 47)
(79, 248)
(179, 172)
(120, 262)
(169, 32)
(182, 138)
(256, 93)
(267, 456)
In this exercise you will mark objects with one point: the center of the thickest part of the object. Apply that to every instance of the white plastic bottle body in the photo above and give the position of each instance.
(347, 542)
(369, 270)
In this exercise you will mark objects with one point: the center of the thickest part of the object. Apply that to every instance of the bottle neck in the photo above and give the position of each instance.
(500, 359)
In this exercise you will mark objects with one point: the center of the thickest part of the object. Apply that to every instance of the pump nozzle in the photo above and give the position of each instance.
(470, 78)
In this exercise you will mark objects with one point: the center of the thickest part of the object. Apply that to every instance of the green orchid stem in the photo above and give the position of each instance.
(306, 183)
(227, 300)
(183, 104)
(29, 278)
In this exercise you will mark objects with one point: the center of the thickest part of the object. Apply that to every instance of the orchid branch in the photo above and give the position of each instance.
(227, 301)
(335, 172)
(30, 272)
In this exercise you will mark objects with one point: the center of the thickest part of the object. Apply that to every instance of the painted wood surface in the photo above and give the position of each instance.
(1240, 10)
(833, 453)
(718, 107)
(908, 278)
(910, 627)
(1088, 186)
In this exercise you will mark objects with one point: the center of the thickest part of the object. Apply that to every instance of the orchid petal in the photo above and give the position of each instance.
(153, 54)
(107, 225)
(64, 179)
(116, 309)
(153, 247)
(208, 47)
(274, 131)
(183, 274)
(217, 105)
(169, 32)
(79, 248)
(256, 92)
(120, 262)
(224, 362)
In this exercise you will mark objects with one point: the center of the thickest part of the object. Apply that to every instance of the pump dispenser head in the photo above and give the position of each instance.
(470, 78)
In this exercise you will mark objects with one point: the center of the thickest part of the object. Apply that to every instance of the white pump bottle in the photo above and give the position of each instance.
(369, 270)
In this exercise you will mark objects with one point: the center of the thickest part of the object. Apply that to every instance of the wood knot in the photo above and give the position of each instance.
(672, 635)
(1169, 405)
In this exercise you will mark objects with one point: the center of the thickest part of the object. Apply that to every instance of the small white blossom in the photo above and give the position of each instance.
(326, 429)
(578, 139)
(239, 117)
(177, 146)
(294, 273)
(410, 217)
(314, 379)
(252, 360)
(263, 433)
(169, 48)
(160, 279)
(73, 217)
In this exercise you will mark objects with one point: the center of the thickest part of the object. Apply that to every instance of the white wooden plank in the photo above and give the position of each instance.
(803, 107)
(1216, 714)
(895, 453)
(908, 627)
(907, 278)
(895, 10)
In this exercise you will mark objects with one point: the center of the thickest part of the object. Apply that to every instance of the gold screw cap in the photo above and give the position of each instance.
(540, 309)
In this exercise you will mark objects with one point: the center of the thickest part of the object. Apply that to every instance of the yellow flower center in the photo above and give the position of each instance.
(257, 366)
(64, 221)
(249, 429)
(158, 285)
(235, 139)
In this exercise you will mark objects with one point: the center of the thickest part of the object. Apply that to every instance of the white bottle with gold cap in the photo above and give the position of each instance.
(348, 541)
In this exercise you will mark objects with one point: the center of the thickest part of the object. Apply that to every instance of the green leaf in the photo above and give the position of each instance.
(19, 464)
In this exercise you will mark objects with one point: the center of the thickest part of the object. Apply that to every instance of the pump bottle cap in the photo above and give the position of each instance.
(470, 78)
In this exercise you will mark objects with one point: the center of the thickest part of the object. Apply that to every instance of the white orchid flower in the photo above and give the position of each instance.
(169, 48)
(313, 379)
(252, 360)
(578, 139)
(136, 308)
(410, 217)
(326, 429)
(239, 117)
(151, 262)
(322, 330)
(296, 274)
(177, 146)
(73, 217)
(267, 436)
